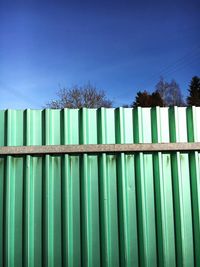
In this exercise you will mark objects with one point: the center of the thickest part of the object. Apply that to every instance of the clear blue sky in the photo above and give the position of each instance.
(119, 46)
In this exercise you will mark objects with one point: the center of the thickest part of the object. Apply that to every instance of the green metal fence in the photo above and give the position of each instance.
(100, 209)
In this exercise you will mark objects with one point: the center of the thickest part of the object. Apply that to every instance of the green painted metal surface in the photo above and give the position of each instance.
(123, 209)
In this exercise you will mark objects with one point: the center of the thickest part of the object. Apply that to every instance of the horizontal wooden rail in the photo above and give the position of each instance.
(100, 148)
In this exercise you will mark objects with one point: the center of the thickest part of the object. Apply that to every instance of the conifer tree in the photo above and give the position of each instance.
(194, 92)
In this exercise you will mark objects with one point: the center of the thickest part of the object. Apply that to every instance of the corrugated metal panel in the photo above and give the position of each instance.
(125, 209)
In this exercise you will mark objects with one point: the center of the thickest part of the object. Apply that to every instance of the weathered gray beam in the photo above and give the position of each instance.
(101, 148)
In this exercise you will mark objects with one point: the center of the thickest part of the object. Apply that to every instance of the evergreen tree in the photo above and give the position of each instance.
(194, 92)
(144, 99)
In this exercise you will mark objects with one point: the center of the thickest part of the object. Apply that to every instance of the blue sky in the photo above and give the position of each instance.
(119, 46)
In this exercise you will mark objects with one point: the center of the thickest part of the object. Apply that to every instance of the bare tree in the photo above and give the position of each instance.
(170, 93)
(80, 96)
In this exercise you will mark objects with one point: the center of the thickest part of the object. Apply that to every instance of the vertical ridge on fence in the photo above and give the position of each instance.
(2, 186)
(89, 192)
(108, 192)
(163, 191)
(182, 192)
(145, 191)
(126, 191)
(193, 116)
(33, 191)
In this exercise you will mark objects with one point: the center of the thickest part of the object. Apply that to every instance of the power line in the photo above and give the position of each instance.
(182, 64)
(181, 60)
(177, 65)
